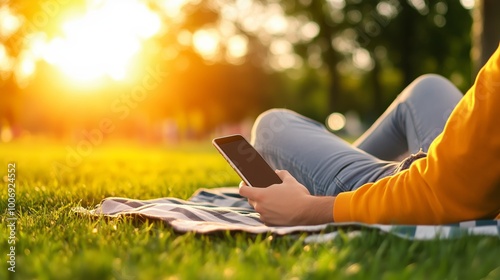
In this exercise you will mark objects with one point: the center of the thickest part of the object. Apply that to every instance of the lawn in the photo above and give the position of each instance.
(54, 243)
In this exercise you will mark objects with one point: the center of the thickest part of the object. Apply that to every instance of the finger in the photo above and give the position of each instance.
(252, 203)
(285, 175)
(249, 192)
(242, 183)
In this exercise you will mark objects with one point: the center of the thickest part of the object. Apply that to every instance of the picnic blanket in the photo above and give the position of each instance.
(223, 209)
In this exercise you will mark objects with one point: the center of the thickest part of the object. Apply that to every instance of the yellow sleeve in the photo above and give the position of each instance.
(458, 180)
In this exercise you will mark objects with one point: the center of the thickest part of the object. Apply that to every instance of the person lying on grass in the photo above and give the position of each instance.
(452, 175)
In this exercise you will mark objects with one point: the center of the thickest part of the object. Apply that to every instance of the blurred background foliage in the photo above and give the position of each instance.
(161, 70)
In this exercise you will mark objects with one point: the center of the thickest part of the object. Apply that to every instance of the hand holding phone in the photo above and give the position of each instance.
(246, 161)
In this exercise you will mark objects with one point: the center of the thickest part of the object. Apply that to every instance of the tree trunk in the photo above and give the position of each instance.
(335, 89)
(330, 56)
(407, 42)
(378, 102)
(485, 31)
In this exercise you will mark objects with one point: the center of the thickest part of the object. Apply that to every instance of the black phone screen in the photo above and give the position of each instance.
(250, 164)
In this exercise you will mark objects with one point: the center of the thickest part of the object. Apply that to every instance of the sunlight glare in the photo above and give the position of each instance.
(206, 42)
(103, 41)
(37, 44)
(27, 66)
(5, 60)
(24, 68)
(3, 52)
(9, 22)
(173, 7)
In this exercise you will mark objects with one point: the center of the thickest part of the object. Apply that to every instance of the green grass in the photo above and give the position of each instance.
(54, 243)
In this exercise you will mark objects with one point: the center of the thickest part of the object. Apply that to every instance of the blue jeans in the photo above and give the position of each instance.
(328, 165)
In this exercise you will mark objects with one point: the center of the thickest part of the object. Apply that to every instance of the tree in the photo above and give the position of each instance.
(237, 85)
(340, 54)
(486, 33)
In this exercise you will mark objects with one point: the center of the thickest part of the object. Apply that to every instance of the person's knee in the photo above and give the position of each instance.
(431, 80)
(269, 125)
(429, 85)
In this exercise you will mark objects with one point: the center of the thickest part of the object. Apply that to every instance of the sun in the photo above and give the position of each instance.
(103, 41)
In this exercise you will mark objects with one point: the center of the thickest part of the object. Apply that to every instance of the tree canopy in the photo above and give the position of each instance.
(226, 59)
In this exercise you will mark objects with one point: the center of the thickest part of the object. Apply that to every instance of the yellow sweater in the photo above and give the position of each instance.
(458, 180)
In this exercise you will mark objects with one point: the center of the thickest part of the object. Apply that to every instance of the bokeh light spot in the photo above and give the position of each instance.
(6, 133)
(237, 46)
(206, 42)
(362, 59)
(9, 22)
(336, 121)
(468, 4)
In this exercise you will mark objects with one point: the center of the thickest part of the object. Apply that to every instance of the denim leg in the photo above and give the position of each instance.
(320, 160)
(327, 165)
(413, 120)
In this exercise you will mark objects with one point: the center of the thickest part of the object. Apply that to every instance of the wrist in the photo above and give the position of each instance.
(318, 210)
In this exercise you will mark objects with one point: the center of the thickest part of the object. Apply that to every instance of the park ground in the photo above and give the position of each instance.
(52, 242)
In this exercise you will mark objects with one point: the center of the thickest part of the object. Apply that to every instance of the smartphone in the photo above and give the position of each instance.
(246, 161)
